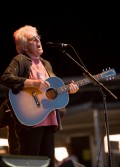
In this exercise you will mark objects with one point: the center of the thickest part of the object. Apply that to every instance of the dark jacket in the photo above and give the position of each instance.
(17, 72)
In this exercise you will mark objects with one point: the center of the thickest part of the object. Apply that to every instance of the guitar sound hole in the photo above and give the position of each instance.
(51, 94)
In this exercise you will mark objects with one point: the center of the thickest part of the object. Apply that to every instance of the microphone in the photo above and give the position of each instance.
(61, 45)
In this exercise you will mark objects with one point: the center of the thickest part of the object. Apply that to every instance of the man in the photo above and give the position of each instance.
(29, 70)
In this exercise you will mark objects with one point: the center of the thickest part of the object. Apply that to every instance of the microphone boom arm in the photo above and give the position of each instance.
(91, 77)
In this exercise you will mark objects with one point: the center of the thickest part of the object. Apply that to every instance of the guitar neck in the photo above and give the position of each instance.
(109, 74)
(79, 83)
(86, 81)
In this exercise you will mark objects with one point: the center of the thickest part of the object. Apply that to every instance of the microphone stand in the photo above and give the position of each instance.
(101, 87)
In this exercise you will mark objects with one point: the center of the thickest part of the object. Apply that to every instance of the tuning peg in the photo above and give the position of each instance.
(106, 69)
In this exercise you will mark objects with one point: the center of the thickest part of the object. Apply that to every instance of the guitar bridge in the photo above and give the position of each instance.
(36, 99)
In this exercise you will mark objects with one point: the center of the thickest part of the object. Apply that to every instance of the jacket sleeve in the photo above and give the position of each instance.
(13, 77)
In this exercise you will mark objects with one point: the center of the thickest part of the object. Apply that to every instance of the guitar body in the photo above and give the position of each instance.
(28, 112)
(31, 106)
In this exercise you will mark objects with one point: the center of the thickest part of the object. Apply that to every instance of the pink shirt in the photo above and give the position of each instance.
(38, 71)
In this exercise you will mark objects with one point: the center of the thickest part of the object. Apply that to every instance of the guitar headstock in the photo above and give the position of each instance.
(108, 74)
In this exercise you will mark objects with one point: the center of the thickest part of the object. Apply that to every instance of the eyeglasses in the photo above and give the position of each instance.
(38, 37)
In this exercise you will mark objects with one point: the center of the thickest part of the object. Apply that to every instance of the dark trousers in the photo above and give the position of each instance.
(37, 142)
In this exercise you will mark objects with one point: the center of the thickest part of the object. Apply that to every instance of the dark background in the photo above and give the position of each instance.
(91, 28)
